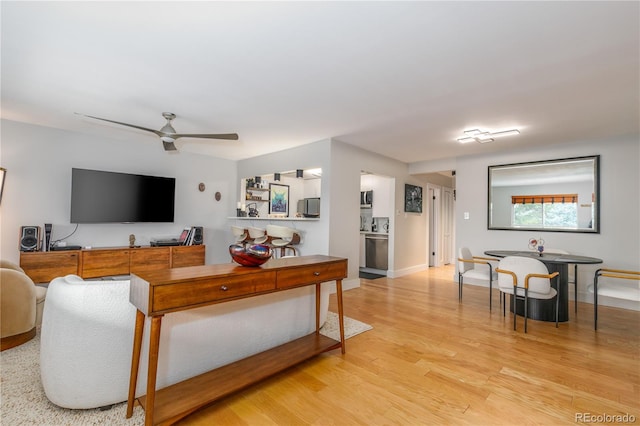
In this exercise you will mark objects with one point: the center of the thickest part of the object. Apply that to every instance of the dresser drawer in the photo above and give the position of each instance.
(104, 262)
(305, 275)
(43, 267)
(202, 292)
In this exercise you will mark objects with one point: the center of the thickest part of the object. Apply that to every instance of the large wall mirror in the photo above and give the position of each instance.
(556, 195)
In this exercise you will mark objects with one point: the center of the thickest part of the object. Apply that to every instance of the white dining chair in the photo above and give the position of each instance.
(525, 277)
(240, 234)
(258, 235)
(283, 238)
(615, 283)
(467, 269)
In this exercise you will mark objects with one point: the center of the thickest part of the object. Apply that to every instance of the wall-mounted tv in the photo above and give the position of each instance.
(110, 197)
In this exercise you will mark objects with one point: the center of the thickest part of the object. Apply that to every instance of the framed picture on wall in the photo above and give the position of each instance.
(279, 199)
(412, 198)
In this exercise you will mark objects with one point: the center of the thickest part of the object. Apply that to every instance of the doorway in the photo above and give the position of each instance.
(441, 218)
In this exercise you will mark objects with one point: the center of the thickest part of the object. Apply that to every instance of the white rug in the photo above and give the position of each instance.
(23, 402)
(351, 327)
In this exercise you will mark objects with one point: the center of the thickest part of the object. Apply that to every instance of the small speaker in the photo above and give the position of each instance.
(198, 236)
(47, 236)
(29, 238)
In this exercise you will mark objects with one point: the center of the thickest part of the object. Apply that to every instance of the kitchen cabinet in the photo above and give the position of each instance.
(382, 197)
(363, 254)
(381, 186)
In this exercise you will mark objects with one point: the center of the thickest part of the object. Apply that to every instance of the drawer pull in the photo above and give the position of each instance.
(224, 288)
(317, 274)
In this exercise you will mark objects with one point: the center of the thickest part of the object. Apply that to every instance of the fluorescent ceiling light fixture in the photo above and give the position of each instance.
(480, 136)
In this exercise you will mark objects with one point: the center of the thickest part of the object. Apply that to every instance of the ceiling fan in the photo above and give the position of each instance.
(168, 134)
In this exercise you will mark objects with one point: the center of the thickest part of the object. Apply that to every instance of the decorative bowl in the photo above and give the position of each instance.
(253, 255)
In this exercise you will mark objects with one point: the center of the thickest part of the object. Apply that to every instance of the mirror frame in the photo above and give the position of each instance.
(596, 190)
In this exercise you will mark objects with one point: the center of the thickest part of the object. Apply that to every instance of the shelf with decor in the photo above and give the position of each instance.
(256, 194)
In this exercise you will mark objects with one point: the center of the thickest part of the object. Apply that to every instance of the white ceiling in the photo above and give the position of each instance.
(402, 79)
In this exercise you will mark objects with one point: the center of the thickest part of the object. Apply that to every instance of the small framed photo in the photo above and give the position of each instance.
(412, 198)
(278, 199)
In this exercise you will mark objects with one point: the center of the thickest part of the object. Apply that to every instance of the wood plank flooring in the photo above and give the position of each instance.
(431, 360)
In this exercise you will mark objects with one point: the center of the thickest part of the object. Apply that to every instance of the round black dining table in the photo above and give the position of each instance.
(541, 309)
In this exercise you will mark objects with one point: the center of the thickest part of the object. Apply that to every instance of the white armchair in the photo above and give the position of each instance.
(469, 267)
(525, 277)
(87, 338)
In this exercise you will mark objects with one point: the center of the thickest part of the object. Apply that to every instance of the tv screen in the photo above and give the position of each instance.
(110, 197)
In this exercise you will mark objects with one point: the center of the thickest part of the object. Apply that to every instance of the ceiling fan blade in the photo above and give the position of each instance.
(169, 146)
(228, 136)
(123, 124)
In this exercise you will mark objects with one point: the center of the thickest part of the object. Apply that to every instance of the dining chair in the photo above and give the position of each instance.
(525, 277)
(240, 234)
(573, 279)
(283, 238)
(613, 288)
(467, 269)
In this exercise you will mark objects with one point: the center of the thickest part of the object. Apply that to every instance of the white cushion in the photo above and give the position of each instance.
(480, 274)
(618, 291)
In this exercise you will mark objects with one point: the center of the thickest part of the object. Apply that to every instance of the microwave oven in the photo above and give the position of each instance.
(309, 207)
(366, 199)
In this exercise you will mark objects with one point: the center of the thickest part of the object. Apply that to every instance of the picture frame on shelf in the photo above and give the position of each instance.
(279, 199)
(412, 198)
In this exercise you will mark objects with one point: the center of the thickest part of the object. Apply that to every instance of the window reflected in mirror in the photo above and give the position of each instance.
(555, 195)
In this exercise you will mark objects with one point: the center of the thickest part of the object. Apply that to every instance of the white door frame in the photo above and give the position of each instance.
(441, 228)
(433, 229)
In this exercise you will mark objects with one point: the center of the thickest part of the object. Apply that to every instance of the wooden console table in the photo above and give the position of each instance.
(157, 293)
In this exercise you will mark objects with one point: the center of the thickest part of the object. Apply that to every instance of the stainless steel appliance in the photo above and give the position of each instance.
(366, 199)
(376, 251)
(309, 207)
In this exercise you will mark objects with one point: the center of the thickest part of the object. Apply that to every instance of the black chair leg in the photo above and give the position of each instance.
(515, 302)
(490, 292)
(575, 283)
(504, 303)
(595, 302)
(557, 307)
(526, 300)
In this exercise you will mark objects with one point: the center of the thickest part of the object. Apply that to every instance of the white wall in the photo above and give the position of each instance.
(618, 243)
(38, 187)
(408, 231)
(314, 155)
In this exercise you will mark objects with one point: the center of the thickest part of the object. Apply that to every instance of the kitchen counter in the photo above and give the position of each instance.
(374, 233)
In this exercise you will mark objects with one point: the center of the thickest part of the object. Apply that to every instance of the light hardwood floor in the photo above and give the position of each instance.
(430, 360)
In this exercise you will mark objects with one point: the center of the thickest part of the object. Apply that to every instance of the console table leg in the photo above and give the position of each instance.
(154, 344)
(340, 313)
(318, 307)
(135, 361)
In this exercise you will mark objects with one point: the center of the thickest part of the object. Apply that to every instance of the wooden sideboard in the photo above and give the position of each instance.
(157, 293)
(42, 267)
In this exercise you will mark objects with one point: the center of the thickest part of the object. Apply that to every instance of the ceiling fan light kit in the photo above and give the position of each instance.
(477, 135)
(167, 133)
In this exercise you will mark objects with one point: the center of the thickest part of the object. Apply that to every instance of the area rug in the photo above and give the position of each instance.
(352, 327)
(370, 276)
(23, 402)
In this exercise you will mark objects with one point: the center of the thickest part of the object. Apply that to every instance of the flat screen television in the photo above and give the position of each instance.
(110, 197)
